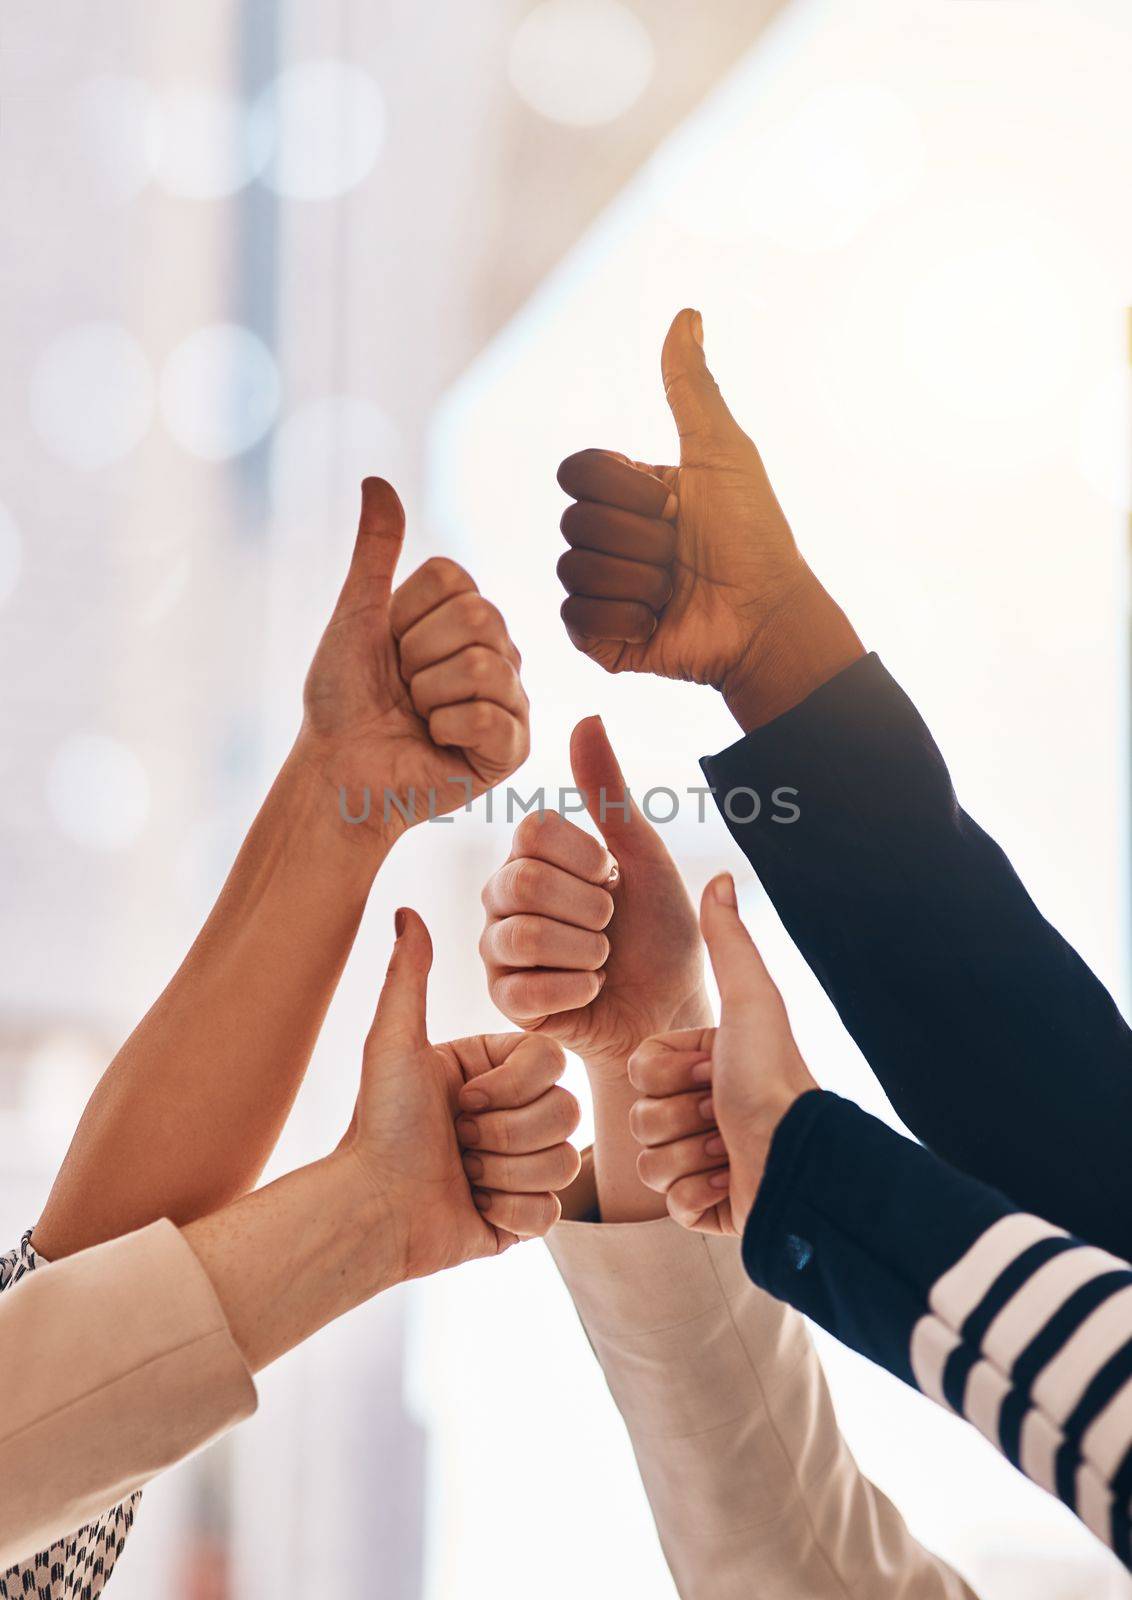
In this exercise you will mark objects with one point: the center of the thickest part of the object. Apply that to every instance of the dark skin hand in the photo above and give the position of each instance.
(691, 571)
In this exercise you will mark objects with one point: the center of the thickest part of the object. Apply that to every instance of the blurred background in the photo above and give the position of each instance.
(254, 251)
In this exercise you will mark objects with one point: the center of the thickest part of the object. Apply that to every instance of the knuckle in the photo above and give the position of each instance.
(569, 1165)
(478, 613)
(640, 1121)
(640, 1073)
(484, 716)
(445, 576)
(527, 882)
(533, 830)
(514, 998)
(512, 940)
(479, 663)
(567, 1112)
(649, 1172)
(604, 908)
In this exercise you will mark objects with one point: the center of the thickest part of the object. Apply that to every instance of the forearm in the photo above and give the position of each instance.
(295, 1255)
(189, 1110)
(621, 1196)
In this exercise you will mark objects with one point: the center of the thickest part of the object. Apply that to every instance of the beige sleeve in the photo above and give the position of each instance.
(117, 1363)
(753, 1489)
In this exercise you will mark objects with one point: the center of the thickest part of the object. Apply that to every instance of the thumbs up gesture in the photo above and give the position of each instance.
(464, 1144)
(712, 1098)
(691, 571)
(413, 692)
(593, 943)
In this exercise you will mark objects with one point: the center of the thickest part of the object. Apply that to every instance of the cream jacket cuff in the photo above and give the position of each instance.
(119, 1363)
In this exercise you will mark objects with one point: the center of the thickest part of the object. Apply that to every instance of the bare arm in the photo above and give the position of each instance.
(189, 1111)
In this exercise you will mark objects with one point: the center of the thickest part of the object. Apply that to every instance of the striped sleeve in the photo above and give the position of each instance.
(995, 1314)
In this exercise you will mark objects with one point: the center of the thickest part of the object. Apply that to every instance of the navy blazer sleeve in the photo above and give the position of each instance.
(1014, 1324)
(993, 1040)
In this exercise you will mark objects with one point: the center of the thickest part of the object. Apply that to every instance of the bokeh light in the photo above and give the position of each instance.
(92, 394)
(206, 145)
(325, 123)
(97, 791)
(118, 133)
(581, 62)
(219, 391)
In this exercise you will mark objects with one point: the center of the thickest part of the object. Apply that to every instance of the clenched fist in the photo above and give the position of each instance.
(464, 1144)
(712, 1098)
(413, 692)
(594, 944)
(691, 571)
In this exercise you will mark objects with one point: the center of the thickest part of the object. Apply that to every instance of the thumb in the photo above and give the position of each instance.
(597, 774)
(698, 409)
(381, 533)
(740, 974)
(400, 1021)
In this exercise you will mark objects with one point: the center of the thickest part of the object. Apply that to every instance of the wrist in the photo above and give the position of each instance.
(352, 828)
(749, 1144)
(608, 1070)
(375, 1245)
(805, 640)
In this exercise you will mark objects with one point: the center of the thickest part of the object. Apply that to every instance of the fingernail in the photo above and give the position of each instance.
(482, 1199)
(473, 1166)
(467, 1130)
(671, 507)
(399, 922)
(701, 1072)
(707, 1109)
(698, 329)
(474, 1100)
(720, 1180)
(612, 877)
(723, 890)
(712, 1147)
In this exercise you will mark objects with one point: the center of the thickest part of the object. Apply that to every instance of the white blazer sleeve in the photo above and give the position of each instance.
(753, 1489)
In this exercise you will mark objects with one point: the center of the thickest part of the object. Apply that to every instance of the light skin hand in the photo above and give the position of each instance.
(691, 571)
(596, 945)
(396, 1200)
(741, 1077)
(464, 1143)
(409, 689)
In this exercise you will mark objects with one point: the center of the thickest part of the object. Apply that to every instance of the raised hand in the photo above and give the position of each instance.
(414, 691)
(464, 1144)
(711, 1098)
(691, 571)
(595, 945)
